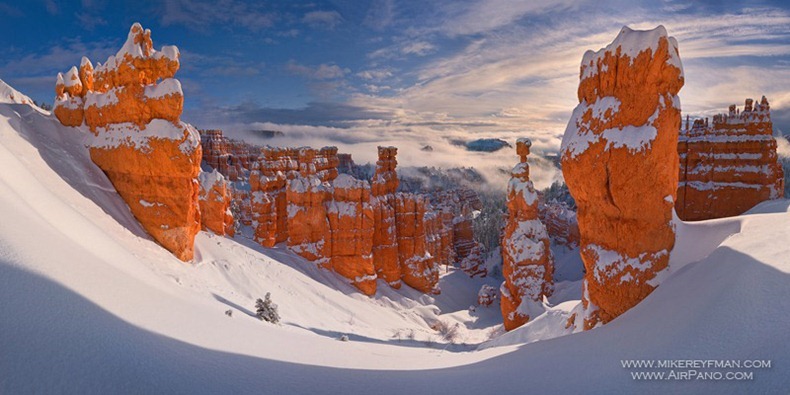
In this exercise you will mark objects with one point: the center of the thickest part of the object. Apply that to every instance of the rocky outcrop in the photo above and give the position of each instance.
(527, 264)
(215, 200)
(308, 225)
(413, 221)
(385, 242)
(620, 161)
(730, 165)
(486, 296)
(350, 217)
(132, 105)
(561, 223)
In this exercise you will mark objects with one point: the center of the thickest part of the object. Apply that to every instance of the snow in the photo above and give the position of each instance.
(103, 309)
(12, 96)
(128, 134)
(209, 179)
(101, 100)
(72, 77)
(631, 43)
(168, 86)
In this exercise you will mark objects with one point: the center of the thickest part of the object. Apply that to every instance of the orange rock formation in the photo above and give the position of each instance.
(620, 161)
(385, 243)
(527, 264)
(215, 200)
(351, 225)
(132, 105)
(308, 226)
(729, 166)
(419, 268)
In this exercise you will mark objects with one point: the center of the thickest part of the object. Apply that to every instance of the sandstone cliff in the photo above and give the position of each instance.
(730, 165)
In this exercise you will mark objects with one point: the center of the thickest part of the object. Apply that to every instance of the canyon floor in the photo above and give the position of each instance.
(91, 304)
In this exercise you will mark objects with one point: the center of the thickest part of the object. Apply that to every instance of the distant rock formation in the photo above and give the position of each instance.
(215, 200)
(132, 105)
(729, 166)
(561, 223)
(487, 145)
(527, 263)
(320, 204)
(620, 161)
(385, 239)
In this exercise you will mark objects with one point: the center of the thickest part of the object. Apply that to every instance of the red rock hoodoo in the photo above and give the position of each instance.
(215, 200)
(413, 223)
(527, 264)
(729, 166)
(351, 225)
(385, 242)
(620, 161)
(132, 105)
(308, 225)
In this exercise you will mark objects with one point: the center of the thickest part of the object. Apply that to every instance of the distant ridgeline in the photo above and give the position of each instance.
(729, 165)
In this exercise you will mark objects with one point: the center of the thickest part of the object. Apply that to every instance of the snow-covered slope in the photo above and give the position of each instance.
(90, 304)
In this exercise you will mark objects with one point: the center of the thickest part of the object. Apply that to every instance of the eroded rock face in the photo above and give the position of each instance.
(132, 105)
(486, 296)
(351, 225)
(385, 242)
(215, 201)
(527, 264)
(308, 225)
(729, 166)
(619, 159)
(419, 268)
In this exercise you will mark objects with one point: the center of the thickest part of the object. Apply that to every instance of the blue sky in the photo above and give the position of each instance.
(359, 73)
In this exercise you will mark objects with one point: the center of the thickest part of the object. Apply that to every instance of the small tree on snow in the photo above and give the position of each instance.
(266, 310)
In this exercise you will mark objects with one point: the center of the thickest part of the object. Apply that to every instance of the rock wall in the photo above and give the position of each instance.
(215, 199)
(527, 263)
(385, 242)
(730, 165)
(132, 105)
(620, 161)
(308, 225)
(416, 237)
(350, 217)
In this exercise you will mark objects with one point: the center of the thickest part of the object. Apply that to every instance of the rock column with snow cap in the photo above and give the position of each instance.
(308, 226)
(215, 199)
(419, 268)
(620, 161)
(385, 243)
(132, 105)
(527, 264)
(350, 217)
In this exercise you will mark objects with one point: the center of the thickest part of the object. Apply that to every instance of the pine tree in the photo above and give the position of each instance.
(266, 310)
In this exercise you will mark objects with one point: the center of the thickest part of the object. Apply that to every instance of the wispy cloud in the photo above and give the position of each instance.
(201, 15)
(322, 19)
(324, 71)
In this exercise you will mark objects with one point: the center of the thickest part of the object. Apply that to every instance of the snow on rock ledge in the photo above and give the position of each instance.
(620, 161)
